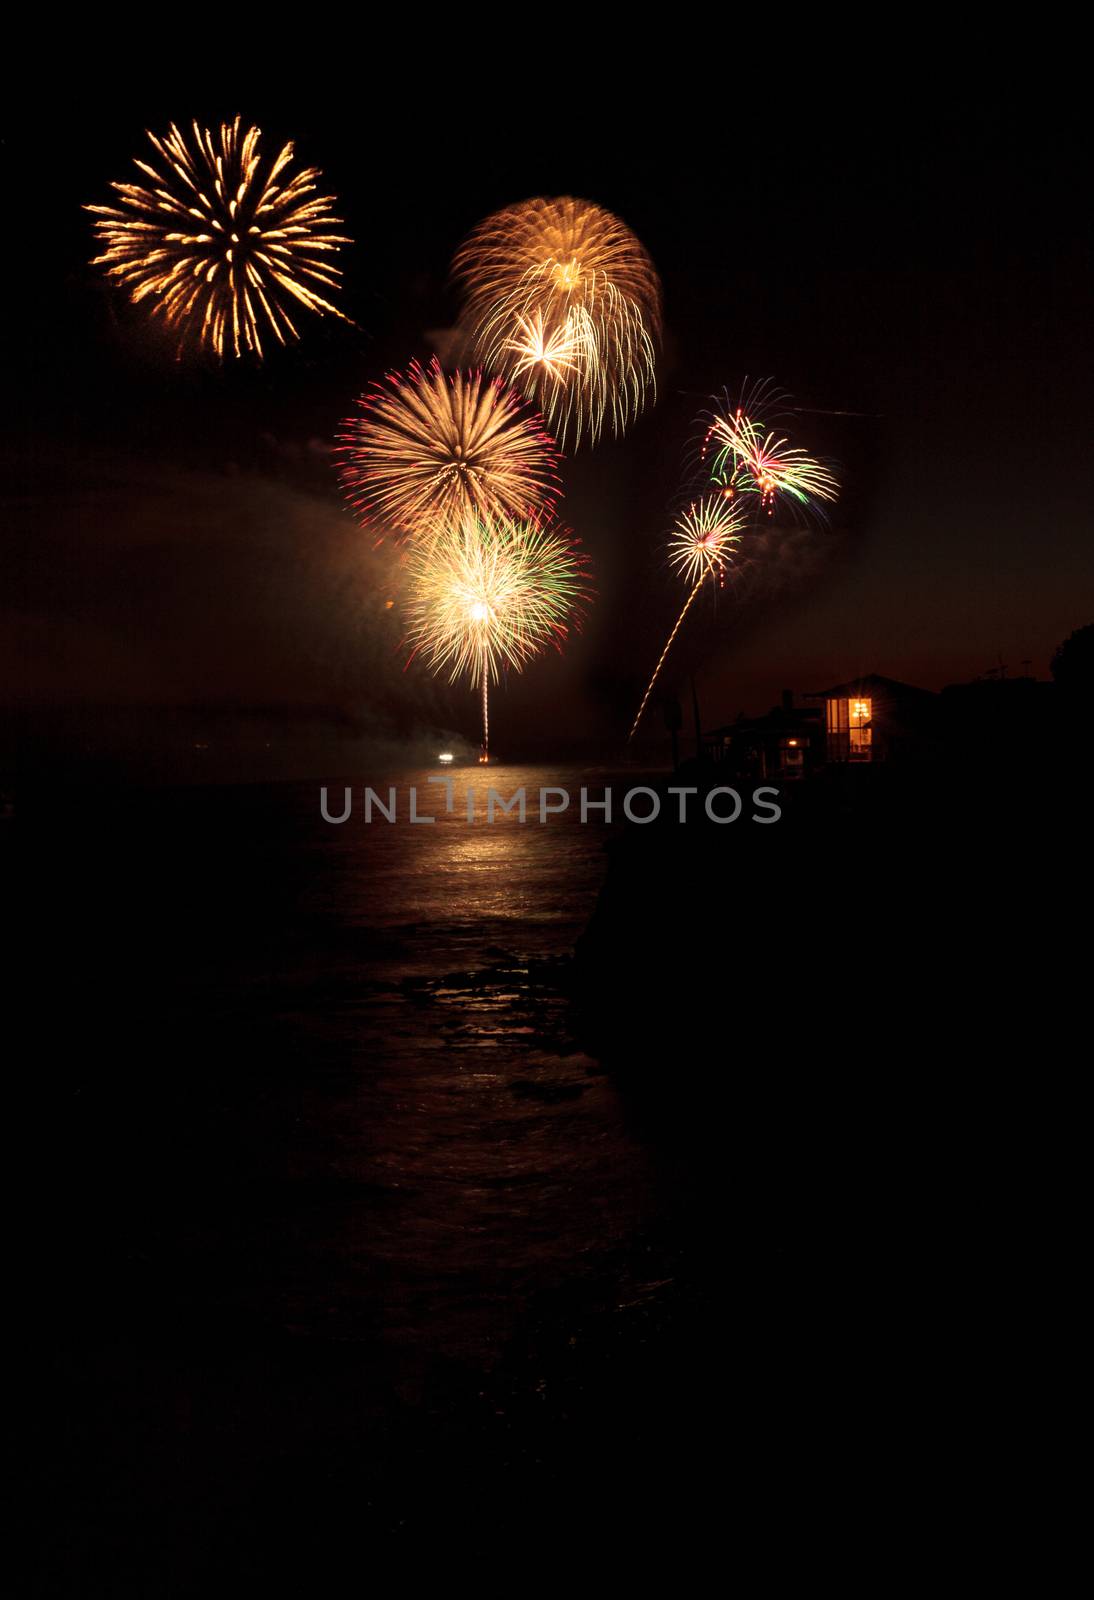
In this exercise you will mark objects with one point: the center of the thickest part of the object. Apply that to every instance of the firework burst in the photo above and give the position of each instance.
(490, 593)
(563, 300)
(704, 538)
(747, 457)
(428, 448)
(220, 242)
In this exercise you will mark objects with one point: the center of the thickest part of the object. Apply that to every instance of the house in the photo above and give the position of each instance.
(875, 719)
(786, 743)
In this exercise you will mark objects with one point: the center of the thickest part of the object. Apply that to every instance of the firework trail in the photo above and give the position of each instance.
(220, 242)
(700, 547)
(428, 448)
(563, 300)
(490, 593)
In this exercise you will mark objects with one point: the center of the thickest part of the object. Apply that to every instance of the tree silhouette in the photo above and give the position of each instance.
(1073, 664)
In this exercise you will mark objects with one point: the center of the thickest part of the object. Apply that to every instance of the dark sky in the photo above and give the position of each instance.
(174, 536)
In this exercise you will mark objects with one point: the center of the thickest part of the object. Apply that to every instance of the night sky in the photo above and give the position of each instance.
(919, 285)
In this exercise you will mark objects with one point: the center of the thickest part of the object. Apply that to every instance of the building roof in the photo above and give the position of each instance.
(870, 683)
(780, 719)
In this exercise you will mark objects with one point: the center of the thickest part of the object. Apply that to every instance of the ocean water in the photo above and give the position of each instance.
(343, 1242)
(351, 1222)
(347, 1242)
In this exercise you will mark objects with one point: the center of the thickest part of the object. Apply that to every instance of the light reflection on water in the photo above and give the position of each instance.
(371, 1217)
(526, 885)
(422, 1007)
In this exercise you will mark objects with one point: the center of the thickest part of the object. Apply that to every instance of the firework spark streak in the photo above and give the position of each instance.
(700, 547)
(221, 242)
(490, 593)
(747, 457)
(563, 300)
(428, 448)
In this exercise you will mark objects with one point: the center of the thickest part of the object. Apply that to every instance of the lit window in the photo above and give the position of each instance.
(860, 714)
(849, 725)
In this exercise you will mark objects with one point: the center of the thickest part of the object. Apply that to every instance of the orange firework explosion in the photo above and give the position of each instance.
(220, 241)
(562, 299)
(430, 447)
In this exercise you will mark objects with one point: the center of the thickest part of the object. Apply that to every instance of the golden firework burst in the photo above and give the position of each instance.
(430, 447)
(704, 538)
(562, 299)
(490, 593)
(221, 242)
